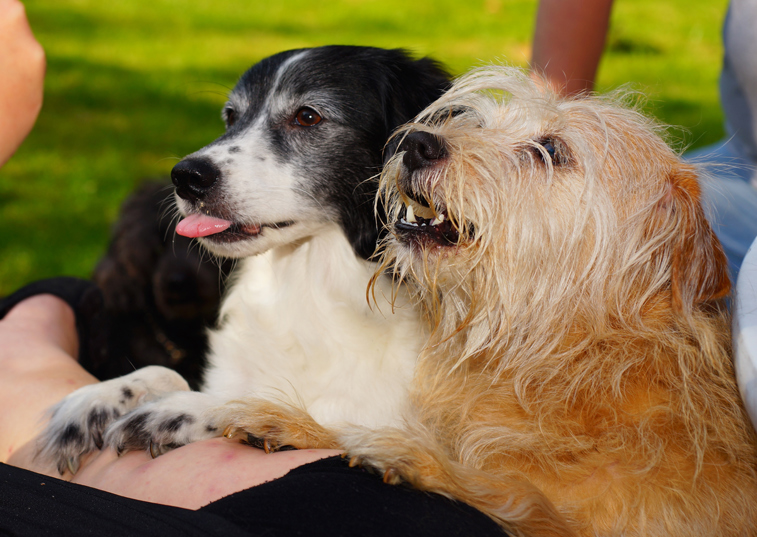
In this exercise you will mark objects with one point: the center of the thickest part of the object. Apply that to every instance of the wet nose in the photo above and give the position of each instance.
(194, 178)
(422, 149)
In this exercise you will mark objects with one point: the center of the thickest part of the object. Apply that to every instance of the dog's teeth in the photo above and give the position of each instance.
(438, 220)
(410, 216)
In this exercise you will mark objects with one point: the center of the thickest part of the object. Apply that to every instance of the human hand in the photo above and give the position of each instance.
(22, 64)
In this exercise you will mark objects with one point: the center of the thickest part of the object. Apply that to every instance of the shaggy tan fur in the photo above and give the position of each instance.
(578, 380)
(579, 345)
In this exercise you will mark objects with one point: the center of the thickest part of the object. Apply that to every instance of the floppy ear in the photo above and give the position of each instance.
(404, 87)
(412, 86)
(699, 265)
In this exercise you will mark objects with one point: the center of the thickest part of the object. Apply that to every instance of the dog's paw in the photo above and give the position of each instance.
(396, 455)
(270, 435)
(275, 427)
(392, 471)
(165, 424)
(371, 455)
(77, 424)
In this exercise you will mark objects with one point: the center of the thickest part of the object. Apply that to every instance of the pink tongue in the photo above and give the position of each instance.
(200, 225)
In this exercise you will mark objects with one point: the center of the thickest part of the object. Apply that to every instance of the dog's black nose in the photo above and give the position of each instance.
(194, 178)
(422, 149)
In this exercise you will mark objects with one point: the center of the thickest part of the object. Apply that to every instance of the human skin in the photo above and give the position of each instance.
(37, 344)
(569, 39)
(22, 64)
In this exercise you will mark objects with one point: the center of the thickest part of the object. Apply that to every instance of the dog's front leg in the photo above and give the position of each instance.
(78, 423)
(273, 427)
(172, 421)
(414, 457)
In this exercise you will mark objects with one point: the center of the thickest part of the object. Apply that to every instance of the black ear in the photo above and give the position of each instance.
(404, 87)
(396, 89)
(414, 85)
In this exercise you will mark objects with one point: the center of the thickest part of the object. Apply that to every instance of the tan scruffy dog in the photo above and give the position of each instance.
(578, 380)
(580, 355)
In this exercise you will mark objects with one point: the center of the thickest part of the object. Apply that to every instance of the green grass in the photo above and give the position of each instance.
(132, 86)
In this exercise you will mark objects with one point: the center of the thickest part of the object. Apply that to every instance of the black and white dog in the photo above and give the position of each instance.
(290, 188)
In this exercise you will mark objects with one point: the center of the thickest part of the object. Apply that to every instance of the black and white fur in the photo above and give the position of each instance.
(296, 326)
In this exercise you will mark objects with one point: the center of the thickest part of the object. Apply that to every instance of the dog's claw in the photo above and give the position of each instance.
(229, 431)
(157, 449)
(391, 476)
(354, 461)
(267, 446)
(253, 441)
(73, 465)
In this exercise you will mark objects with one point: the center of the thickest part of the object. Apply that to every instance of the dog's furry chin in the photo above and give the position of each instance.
(580, 341)
(269, 238)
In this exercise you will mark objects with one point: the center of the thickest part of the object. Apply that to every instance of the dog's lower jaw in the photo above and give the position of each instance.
(269, 237)
(239, 232)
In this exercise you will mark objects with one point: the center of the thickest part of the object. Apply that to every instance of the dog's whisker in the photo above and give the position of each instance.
(176, 158)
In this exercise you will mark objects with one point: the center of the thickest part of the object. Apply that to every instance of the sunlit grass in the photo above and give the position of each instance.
(132, 86)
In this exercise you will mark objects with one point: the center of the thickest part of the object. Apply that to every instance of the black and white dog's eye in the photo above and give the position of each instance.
(229, 116)
(307, 117)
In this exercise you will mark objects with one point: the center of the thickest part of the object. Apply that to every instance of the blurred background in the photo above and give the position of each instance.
(133, 86)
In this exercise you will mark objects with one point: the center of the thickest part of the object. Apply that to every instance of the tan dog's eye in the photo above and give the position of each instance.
(551, 148)
(548, 146)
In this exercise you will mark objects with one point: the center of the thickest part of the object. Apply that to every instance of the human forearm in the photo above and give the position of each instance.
(22, 64)
(568, 42)
(37, 342)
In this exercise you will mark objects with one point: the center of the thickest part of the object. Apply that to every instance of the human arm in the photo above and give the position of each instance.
(22, 64)
(568, 42)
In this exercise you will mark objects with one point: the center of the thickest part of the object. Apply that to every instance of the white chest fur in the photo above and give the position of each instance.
(296, 327)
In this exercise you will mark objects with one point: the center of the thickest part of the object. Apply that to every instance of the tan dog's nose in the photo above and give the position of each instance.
(422, 149)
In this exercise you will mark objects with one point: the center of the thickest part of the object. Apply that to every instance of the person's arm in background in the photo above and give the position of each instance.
(568, 42)
(22, 64)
